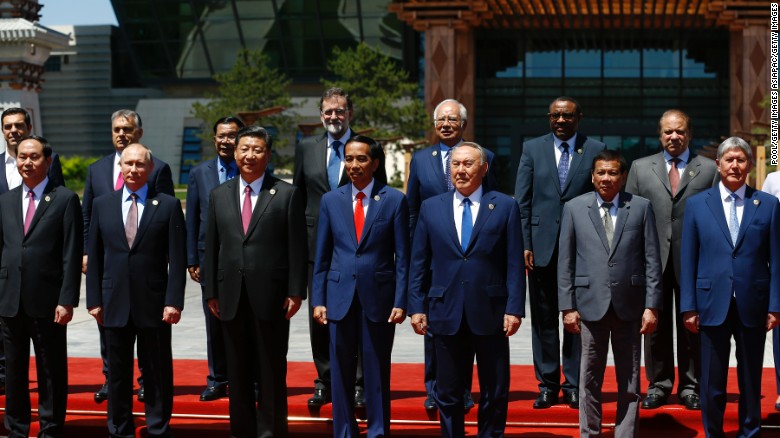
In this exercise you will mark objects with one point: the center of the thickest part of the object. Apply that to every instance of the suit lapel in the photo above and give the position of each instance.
(3, 179)
(150, 209)
(43, 204)
(267, 193)
(449, 213)
(434, 162)
(346, 211)
(575, 160)
(624, 205)
(486, 207)
(598, 223)
(716, 208)
(234, 205)
(659, 168)
(749, 210)
(692, 169)
(212, 176)
(375, 203)
(548, 159)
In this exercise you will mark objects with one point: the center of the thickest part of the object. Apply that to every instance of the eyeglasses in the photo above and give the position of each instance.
(340, 112)
(566, 116)
(452, 121)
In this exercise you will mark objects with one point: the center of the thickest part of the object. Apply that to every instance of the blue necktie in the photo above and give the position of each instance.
(734, 222)
(232, 170)
(334, 165)
(563, 165)
(448, 169)
(467, 225)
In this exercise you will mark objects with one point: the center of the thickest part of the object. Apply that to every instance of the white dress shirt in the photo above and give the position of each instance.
(140, 202)
(12, 176)
(457, 205)
(256, 185)
(38, 191)
(559, 149)
(680, 164)
(772, 184)
(366, 191)
(443, 149)
(613, 212)
(725, 197)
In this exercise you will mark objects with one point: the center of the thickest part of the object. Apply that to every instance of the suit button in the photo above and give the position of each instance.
(244, 245)
(611, 264)
(614, 283)
(465, 259)
(733, 256)
(354, 276)
(357, 255)
(674, 219)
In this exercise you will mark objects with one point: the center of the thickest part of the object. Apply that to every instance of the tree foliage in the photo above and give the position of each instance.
(383, 96)
(250, 85)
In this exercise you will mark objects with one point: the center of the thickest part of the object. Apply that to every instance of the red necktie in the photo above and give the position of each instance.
(360, 217)
(674, 175)
(246, 211)
(119, 182)
(30, 211)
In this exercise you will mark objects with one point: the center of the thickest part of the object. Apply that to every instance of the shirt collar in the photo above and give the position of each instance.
(38, 190)
(615, 201)
(571, 142)
(725, 193)
(343, 139)
(367, 190)
(9, 159)
(222, 164)
(683, 156)
(256, 185)
(142, 192)
(474, 197)
(444, 148)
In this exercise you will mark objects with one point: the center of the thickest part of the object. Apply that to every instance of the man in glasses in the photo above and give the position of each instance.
(429, 175)
(554, 168)
(319, 168)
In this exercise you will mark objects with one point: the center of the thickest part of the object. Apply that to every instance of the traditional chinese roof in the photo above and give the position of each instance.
(21, 30)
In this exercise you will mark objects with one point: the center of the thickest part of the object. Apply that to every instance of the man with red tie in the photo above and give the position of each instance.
(359, 287)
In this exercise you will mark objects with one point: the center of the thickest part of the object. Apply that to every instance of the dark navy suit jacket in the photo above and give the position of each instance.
(484, 282)
(376, 268)
(203, 178)
(55, 173)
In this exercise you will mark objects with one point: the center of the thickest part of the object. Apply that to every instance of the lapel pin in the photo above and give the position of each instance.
(692, 173)
(155, 202)
(47, 198)
(376, 197)
(273, 191)
(756, 202)
(491, 206)
(579, 151)
(435, 153)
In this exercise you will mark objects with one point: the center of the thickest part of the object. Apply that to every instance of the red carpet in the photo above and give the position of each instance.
(196, 419)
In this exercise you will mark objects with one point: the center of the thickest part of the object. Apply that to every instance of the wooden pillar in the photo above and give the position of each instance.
(749, 75)
(449, 68)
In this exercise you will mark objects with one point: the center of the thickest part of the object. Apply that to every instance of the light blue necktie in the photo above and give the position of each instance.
(334, 165)
(448, 169)
(563, 165)
(467, 225)
(734, 222)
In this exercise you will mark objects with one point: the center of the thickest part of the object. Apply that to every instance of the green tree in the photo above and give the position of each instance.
(384, 99)
(250, 85)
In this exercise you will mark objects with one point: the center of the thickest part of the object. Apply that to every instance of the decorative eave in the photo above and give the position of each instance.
(19, 30)
(25, 9)
(581, 14)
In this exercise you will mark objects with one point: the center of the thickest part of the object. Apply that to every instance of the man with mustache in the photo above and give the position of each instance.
(319, 168)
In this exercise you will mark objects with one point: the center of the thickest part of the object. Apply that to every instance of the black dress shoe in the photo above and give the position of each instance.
(691, 402)
(141, 394)
(102, 394)
(213, 393)
(654, 401)
(777, 406)
(468, 401)
(321, 396)
(360, 399)
(429, 404)
(545, 400)
(572, 399)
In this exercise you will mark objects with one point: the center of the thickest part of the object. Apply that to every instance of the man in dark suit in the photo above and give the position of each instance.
(40, 277)
(609, 288)
(203, 178)
(255, 276)
(135, 290)
(16, 124)
(668, 179)
(554, 169)
(470, 241)
(429, 175)
(319, 168)
(729, 284)
(360, 279)
(104, 177)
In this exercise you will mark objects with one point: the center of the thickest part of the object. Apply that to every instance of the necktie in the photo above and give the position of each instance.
(30, 211)
(674, 175)
(360, 217)
(734, 221)
(448, 169)
(334, 165)
(563, 165)
(246, 210)
(467, 225)
(119, 182)
(231, 170)
(131, 224)
(609, 230)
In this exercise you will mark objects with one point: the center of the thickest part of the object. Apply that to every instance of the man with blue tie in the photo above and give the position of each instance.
(319, 168)
(203, 178)
(360, 280)
(429, 175)
(135, 290)
(470, 243)
(104, 176)
(730, 284)
(554, 169)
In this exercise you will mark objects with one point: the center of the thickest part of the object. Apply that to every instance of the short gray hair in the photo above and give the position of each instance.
(735, 143)
(471, 144)
(148, 153)
(129, 115)
(461, 109)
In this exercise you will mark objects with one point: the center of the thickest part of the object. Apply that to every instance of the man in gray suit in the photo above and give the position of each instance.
(609, 286)
(668, 179)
